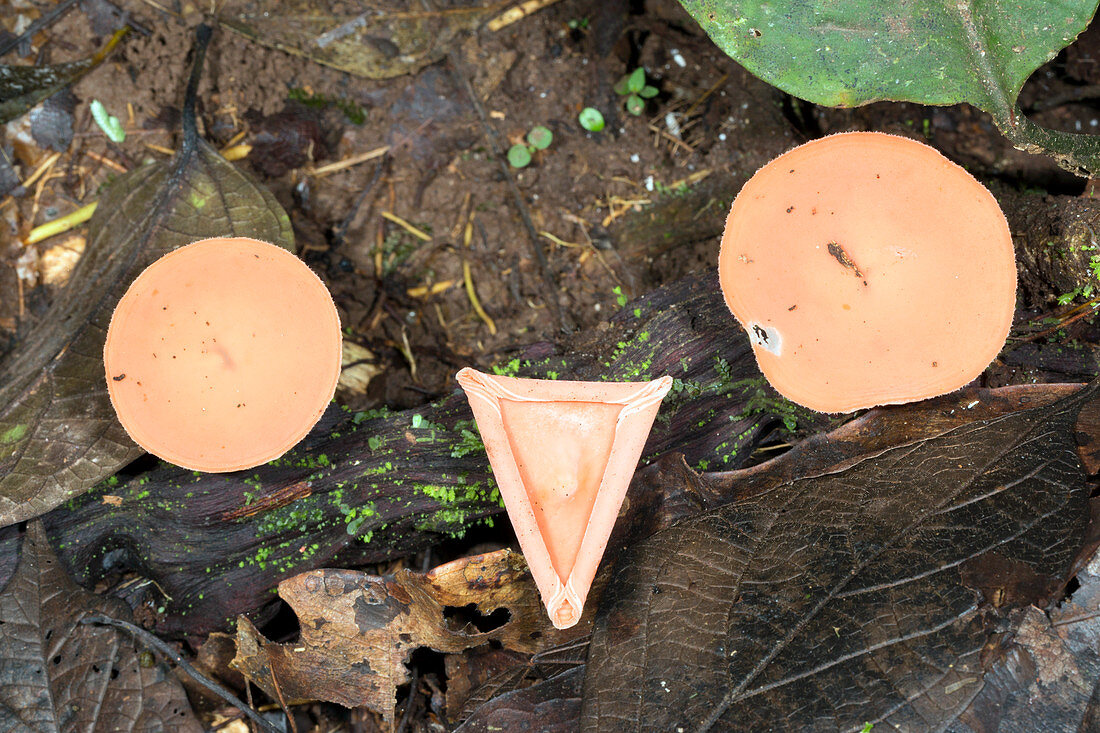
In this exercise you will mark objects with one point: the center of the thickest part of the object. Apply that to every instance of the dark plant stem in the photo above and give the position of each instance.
(190, 131)
(176, 658)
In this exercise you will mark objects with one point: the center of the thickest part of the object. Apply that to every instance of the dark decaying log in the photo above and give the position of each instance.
(366, 487)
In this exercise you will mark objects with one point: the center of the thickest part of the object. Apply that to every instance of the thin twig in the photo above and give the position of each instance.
(1075, 619)
(341, 229)
(61, 224)
(340, 165)
(1076, 94)
(176, 658)
(468, 277)
(282, 701)
(419, 234)
(409, 703)
(518, 13)
(706, 94)
(1081, 311)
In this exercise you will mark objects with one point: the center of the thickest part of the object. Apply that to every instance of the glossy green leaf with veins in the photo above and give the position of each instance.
(844, 53)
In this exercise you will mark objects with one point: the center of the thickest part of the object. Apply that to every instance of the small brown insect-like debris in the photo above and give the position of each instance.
(842, 257)
(119, 378)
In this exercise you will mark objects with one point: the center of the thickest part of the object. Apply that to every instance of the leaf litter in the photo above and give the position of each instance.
(836, 600)
(359, 630)
(832, 497)
(54, 408)
(22, 87)
(702, 494)
(57, 673)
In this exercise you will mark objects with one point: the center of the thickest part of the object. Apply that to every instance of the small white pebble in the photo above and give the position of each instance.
(673, 125)
(649, 183)
(722, 136)
(596, 307)
(678, 58)
(542, 95)
(634, 158)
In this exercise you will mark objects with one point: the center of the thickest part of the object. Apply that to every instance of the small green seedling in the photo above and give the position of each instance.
(635, 90)
(591, 119)
(110, 125)
(578, 24)
(538, 138)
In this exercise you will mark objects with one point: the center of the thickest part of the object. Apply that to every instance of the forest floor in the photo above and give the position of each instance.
(399, 203)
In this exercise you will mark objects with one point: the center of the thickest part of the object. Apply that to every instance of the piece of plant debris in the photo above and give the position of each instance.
(107, 122)
(375, 44)
(22, 87)
(59, 674)
(358, 630)
(286, 140)
(552, 706)
(838, 599)
(52, 121)
(58, 433)
(1048, 672)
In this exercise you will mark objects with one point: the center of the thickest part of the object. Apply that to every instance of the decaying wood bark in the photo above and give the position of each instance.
(366, 487)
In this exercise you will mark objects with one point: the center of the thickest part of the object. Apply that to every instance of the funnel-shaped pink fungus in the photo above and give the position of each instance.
(563, 454)
(223, 354)
(868, 269)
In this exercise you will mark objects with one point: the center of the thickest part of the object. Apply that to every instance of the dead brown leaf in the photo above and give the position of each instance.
(358, 630)
(59, 674)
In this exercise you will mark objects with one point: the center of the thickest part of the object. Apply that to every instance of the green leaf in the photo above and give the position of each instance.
(22, 87)
(852, 52)
(519, 156)
(636, 81)
(622, 87)
(648, 92)
(635, 105)
(107, 122)
(591, 119)
(540, 137)
(60, 434)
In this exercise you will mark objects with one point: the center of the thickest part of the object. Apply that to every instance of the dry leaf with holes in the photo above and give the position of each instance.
(59, 674)
(358, 630)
